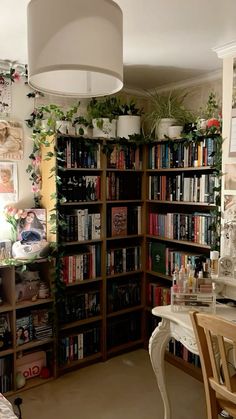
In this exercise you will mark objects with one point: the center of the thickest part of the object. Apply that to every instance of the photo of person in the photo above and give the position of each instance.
(11, 140)
(32, 225)
(8, 182)
(230, 176)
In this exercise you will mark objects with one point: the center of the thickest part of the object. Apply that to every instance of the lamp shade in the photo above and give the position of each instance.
(75, 47)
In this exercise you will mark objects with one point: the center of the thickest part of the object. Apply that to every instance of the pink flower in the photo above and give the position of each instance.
(16, 76)
(213, 122)
(35, 188)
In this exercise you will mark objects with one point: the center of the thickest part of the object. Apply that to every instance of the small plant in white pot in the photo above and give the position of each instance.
(64, 123)
(129, 120)
(167, 110)
(103, 114)
(82, 126)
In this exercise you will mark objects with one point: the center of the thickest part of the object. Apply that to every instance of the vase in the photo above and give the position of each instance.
(107, 130)
(128, 125)
(162, 128)
(20, 380)
(174, 131)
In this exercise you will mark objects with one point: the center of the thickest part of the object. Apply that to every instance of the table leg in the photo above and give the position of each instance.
(157, 347)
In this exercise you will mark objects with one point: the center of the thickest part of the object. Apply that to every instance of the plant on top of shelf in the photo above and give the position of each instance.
(81, 124)
(210, 114)
(102, 113)
(129, 108)
(168, 107)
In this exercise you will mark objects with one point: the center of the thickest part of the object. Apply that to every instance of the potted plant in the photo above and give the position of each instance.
(129, 119)
(64, 123)
(167, 110)
(210, 114)
(103, 114)
(82, 126)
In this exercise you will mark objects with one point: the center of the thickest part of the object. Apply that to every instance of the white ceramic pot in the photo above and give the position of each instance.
(82, 131)
(162, 128)
(174, 131)
(108, 129)
(128, 125)
(65, 127)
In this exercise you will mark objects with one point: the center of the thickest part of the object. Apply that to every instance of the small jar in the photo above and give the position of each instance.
(43, 290)
(214, 257)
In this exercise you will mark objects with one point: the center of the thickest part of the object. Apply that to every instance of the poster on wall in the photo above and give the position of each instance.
(11, 140)
(230, 176)
(8, 182)
(31, 225)
(5, 96)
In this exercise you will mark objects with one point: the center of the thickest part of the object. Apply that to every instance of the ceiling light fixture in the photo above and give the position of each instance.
(75, 47)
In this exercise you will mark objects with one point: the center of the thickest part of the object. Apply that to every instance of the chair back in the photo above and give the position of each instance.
(216, 340)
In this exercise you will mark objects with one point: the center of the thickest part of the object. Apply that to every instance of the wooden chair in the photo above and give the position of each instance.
(215, 338)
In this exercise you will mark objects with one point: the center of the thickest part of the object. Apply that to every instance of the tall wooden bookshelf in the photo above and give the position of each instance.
(100, 201)
(181, 184)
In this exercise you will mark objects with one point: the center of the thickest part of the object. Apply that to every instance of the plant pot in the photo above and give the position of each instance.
(128, 125)
(65, 127)
(82, 131)
(174, 131)
(107, 130)
(162, 128)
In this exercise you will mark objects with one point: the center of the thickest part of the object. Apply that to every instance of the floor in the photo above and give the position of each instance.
(124, 387)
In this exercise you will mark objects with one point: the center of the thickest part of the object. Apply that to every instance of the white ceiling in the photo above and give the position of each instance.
(165, 41)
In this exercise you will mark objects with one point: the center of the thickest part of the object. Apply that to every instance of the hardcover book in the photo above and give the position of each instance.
(119, 221)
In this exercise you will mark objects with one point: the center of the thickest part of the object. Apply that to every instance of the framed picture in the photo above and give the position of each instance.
(11, 140)
(31, 225)
(8, 182)
(230, 176)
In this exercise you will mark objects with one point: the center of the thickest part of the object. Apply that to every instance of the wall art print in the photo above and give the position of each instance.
(8, 182)
(11, 140)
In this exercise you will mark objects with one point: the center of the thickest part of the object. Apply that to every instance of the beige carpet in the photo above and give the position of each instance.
(124, 387)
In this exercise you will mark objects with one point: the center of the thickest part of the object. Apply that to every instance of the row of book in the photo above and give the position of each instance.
(6, 374)
(125, 157)
(79, 346)
(158, 295)
(116, 186)
(123, 295)
(164, 259)
(123, 221)
(194, 227)
(121, 260)
(171, 155)
(123, 329)
(79, 306)
(178, 349)
(80, 154)
(82, 266)
(36, 325)
(77, 188)
(81, 225)
(197, 188)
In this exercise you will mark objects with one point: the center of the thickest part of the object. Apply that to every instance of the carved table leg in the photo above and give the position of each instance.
(157, 347)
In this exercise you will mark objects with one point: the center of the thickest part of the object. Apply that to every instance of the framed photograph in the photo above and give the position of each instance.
(8, 182)
(31, 225)
(230, 176)
(11, 140)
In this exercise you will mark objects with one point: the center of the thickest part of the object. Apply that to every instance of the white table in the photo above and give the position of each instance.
(175, 325)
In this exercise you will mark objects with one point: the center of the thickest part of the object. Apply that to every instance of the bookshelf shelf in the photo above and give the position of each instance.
(125, 347)
(159, 275)
(131, 236)
(184, 366)
(84, 282)
(39, 302)
(120, 275)
(124, 201)
(72, 243)
(34, 344)
(180, 242)
(5, 307)
(75, 364)
(124, 311)
(180, 169)
(187, 203)
(80, 203)
(6, 352)
(80, 323)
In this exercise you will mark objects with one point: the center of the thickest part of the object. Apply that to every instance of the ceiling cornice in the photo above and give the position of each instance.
(206, 78)
(226, 50)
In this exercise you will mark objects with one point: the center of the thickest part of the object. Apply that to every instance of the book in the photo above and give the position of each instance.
(118, 221)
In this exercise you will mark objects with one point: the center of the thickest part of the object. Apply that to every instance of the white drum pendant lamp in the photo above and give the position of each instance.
(75, 47)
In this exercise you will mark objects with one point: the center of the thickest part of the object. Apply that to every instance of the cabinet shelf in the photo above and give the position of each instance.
(125, 346)
(5, 307)
(72, 325)
(83, 282)
(125, 310)
(180, 169)
(131, 236)
(181, 242)
(129, 273)
(25, 304)
(186, 203)
(75, 364)
(34, 344)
